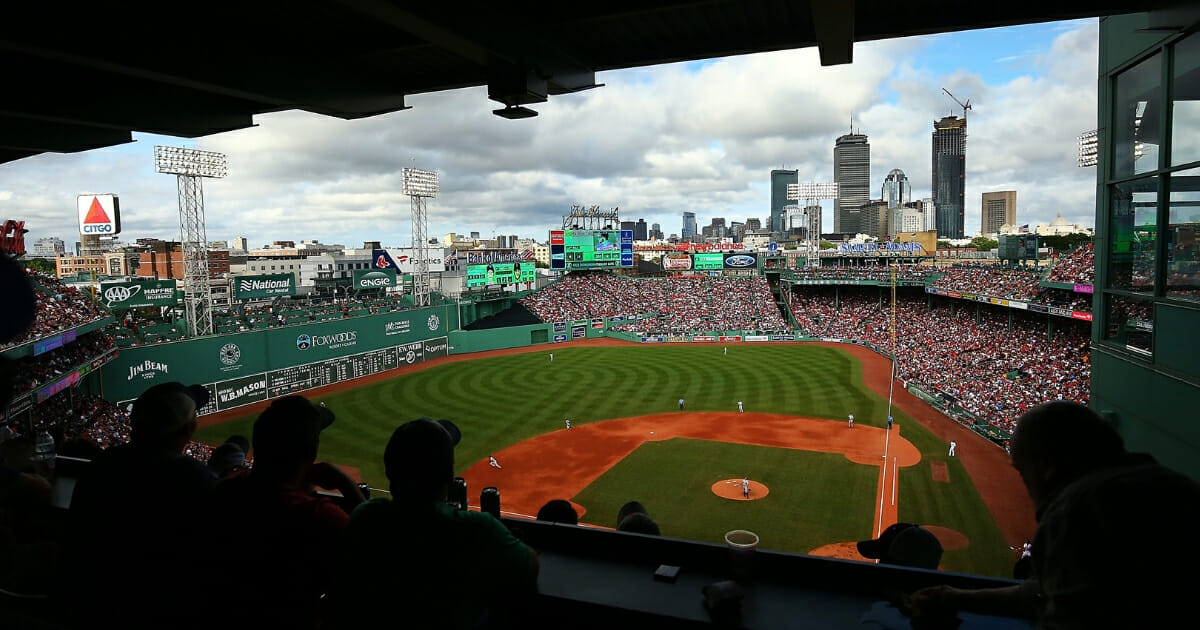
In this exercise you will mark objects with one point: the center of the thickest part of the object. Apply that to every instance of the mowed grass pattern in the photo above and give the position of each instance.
(813, 499)
(502, 400)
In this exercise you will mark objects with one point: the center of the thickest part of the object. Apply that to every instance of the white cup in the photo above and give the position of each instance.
(742, 545)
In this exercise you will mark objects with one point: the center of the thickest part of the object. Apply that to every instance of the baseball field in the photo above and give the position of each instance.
(819, 485)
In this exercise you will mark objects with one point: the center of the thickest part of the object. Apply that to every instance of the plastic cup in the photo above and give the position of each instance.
(742, 545)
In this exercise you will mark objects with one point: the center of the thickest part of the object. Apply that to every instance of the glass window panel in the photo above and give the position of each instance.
(1132, 231)
(1185, 102)
(1130, 322)
(1183, 236)
(1136, 122)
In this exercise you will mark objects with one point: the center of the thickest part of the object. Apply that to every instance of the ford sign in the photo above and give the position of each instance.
(740, 260)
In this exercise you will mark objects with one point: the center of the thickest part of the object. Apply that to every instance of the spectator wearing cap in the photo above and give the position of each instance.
(904, 544)
(633, 517)
(1089, 493)
(558, 511)
(230, 457)
(283, 530)
(435, 565)
(142, 501)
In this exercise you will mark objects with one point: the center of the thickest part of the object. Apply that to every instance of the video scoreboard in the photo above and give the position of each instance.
(501, 273)
(591, 249)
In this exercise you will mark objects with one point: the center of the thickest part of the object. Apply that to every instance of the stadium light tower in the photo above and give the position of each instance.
(812, 194)
(420, 185)
(191, 166)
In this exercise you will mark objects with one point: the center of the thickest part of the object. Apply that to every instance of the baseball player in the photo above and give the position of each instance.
(740, 410)
(889, 423)
(492, 462)
(681, 404)
(568, 421)
(552, 357)
(953, 446)
(726, 350)
(851, 421)
(745, 487)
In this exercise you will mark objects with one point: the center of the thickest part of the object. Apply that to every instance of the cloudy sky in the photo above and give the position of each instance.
(655, 142)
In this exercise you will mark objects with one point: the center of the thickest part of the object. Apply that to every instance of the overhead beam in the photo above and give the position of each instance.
(40, 135)
(833, 24)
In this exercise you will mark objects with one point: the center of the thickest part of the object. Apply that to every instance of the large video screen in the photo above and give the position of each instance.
(501, 273)
(591, 249)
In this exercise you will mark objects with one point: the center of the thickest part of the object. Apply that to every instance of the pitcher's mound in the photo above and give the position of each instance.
(732, 489)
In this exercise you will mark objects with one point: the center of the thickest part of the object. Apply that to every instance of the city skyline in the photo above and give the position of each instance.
(649, 142)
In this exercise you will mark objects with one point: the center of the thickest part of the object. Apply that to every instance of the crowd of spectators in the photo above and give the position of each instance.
(991, 280)
(874, 273)
(59, 308)
(41, 369)
(1077, 267)
(673, 304)
(991, 367)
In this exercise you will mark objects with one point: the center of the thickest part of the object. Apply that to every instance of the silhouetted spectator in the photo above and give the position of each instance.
(1093, 499)
(230, 457)
(144, 500)
(633, 517)
(558, 511)
(904, 544)
(284, 532)
(436, 566)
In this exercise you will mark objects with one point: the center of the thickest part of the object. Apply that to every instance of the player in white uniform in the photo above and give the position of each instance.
(851, 421)
(552, 357)
(681, 404)
(726, 350)
(953, 447)
(492, 461)
(568, 421)
(740, 410)
(745, 487)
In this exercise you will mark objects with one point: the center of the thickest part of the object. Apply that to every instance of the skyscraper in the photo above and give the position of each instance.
(852, 173)
(950, 175)
(998, 209)
(656, 231)
(689, 226)
(897, 191)
(640, 230)
(780, 178)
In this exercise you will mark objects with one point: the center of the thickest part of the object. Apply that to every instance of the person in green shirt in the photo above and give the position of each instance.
(427, 563)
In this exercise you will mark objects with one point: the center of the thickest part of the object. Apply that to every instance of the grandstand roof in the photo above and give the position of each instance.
(79, 78)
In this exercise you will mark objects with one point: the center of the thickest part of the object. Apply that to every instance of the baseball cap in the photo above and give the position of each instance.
(421, 451)
(291, 425)
(905, 544)
(163, 409)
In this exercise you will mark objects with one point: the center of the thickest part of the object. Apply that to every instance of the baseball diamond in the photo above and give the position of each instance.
(829, 485)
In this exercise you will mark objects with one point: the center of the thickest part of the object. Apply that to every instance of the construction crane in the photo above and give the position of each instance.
(964, 106)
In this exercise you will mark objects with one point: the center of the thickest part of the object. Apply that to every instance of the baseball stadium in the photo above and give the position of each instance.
(804, 400)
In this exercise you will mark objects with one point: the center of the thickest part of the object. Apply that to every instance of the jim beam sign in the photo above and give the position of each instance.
(266, 286)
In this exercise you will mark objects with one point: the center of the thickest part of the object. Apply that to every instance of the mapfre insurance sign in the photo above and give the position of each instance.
(99, 215)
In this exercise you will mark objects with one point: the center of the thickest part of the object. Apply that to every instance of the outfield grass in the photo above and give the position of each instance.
(503, 400)
(674, 479)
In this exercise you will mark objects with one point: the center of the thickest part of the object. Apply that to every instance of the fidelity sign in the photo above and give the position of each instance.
(99, 215)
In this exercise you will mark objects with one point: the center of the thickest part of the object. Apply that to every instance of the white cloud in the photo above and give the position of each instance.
(653, 141)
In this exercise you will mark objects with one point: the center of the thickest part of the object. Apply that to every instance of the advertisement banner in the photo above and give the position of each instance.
(1083, 288)
(653, 339)
(1016, 304)
(1061, 312)
(706, 262)
(559, 338)
(731, 338)
(677, 339)
(578, 332)
(42, 346)
(241, 391)
(757, 338)
(20, 405)
(704, 338)
(783, 337)
(1039, 308)
(560, 327)
(676, 262)
(741, 261)
(265, 286)
(598, 322)
(123, 295)
(1087, 317)
(374, 278)
(434, 348)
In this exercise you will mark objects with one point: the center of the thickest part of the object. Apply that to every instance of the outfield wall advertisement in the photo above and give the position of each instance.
(265, 286)
(245, 368)
(121, 295)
